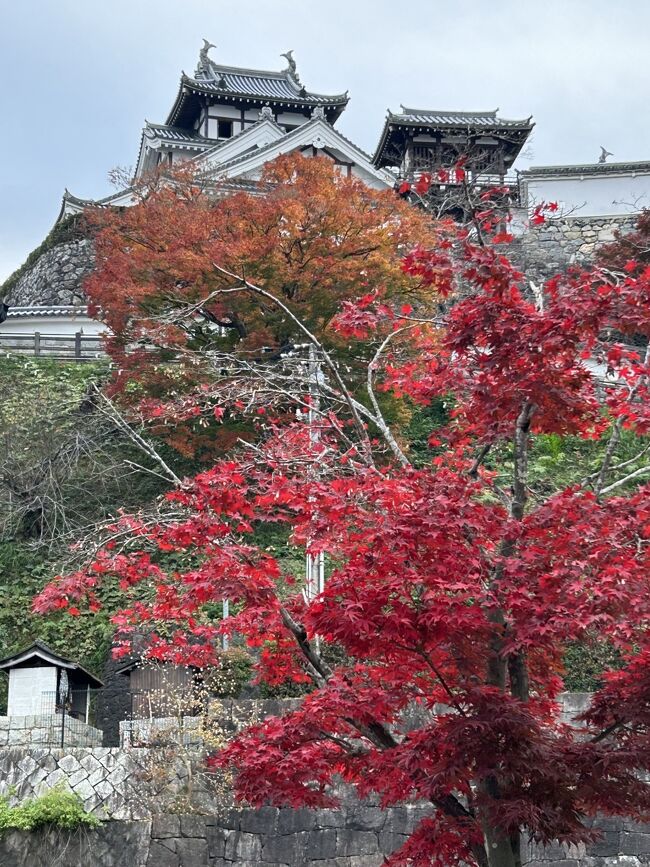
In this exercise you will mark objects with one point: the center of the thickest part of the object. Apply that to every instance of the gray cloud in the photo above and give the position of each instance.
(79, 77)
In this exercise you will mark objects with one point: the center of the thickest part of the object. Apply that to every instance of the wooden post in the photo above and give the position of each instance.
(77, 344)
(37, 343)
(62, 724)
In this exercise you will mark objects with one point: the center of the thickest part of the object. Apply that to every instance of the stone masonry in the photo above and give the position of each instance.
(56, 277)
(141, 796)
(560, 242)
(111, 782)
(45, 730)
(270, 837)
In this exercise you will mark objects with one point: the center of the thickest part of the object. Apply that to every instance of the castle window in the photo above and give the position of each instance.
(224, 129)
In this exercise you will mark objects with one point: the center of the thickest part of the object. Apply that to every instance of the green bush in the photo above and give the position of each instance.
(585, 662)
(233, 675)
(57, 808)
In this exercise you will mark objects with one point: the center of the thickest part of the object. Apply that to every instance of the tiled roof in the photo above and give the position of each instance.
(45, 652)
(216, 146)
(249, 86)
(259, 83)
(643, 166)
(175, 134)
(466, 122)
(47, 310)
(432, 117)
(92, 203)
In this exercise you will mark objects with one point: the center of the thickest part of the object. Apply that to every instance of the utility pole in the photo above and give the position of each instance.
(314, 566)
(225, 612)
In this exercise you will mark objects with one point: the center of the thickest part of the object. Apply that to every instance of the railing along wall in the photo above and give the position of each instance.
(72, 347)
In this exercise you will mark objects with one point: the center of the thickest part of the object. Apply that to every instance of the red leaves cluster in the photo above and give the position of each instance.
(409, 602)
(435, 579)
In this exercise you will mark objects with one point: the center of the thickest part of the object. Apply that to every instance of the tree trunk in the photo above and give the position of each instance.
(504, 850)
(499, 849)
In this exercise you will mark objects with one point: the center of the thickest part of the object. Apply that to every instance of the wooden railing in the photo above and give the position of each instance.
(71, 347)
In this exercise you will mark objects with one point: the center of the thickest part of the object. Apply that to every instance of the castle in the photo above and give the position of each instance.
(229, 121)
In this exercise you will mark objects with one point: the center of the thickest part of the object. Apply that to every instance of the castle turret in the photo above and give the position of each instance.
(424, 140)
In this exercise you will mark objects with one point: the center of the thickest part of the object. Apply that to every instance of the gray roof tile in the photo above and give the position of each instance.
(435, 117)
(47, 310)
(260, 83)
(176, 134)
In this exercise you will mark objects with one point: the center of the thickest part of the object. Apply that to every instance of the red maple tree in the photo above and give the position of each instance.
(453, 587)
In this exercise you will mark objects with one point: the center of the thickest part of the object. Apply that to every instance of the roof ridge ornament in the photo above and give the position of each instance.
(318, 112)
(291, 69)
(604, 153)
(266, 113)
(205, 65)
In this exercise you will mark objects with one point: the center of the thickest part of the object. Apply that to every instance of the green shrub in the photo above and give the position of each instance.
(233, 675)
(585, 662)
(57, 808)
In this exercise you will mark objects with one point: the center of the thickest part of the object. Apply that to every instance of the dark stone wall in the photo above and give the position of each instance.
(113, 702)
(270, 837)
(359, 836)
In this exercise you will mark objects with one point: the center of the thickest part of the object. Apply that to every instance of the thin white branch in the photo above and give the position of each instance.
(641, 471)
(112, 412)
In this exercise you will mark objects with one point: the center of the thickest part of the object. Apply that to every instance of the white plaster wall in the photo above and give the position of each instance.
(292, 118)
(224, 111)
(52, 325)
(26, 688)
(604, 195)
(367, 178)
(181, 155)
(357, 171)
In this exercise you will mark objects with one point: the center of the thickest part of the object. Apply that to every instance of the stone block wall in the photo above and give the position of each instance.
(355, 837)
(267, 837)
(112, 783)
(47, 730)
(58, 274)
(560, 242)
(56, 277)
(141, 796)
(232, 715)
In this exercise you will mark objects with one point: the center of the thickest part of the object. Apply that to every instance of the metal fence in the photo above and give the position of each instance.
(63, 723)
(72, 347)
(163, 714)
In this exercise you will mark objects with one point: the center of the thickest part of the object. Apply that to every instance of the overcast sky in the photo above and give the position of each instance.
(80, 76)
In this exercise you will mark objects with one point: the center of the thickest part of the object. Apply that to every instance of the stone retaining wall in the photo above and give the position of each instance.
(356, 837)
(132, 782)
(111, 782)
(56, 277)
(266, 837)
(544, 250)
(47, 730)
(142, 795)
